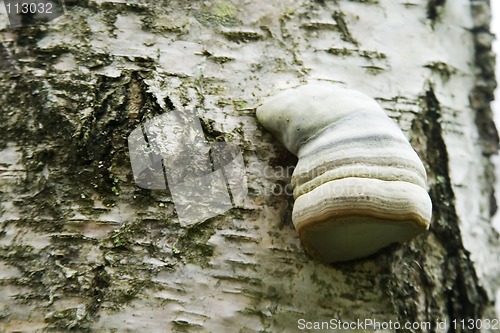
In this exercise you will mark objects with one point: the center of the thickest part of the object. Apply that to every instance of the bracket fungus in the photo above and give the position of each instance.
(358, 185)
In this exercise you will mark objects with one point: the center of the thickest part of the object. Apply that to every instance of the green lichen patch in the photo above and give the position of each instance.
(239, 104)
(165, 24)
(119, 6)
(220, 14)
(193, 244)
(71, 318)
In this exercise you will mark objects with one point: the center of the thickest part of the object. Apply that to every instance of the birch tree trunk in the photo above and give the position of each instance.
(82, 247)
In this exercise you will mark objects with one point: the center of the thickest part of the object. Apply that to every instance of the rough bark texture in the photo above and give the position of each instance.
(82, 247)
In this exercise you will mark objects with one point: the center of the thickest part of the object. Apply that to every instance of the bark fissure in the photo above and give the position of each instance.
(466, 298)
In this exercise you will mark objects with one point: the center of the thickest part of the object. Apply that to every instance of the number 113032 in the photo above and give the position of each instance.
(29, 8)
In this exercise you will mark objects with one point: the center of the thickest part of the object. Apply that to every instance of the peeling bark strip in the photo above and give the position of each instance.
(82, 248)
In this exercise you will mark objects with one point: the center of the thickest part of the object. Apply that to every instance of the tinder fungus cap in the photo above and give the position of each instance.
(358, 185)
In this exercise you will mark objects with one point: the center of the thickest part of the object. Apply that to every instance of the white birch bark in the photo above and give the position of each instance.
(82, 247)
